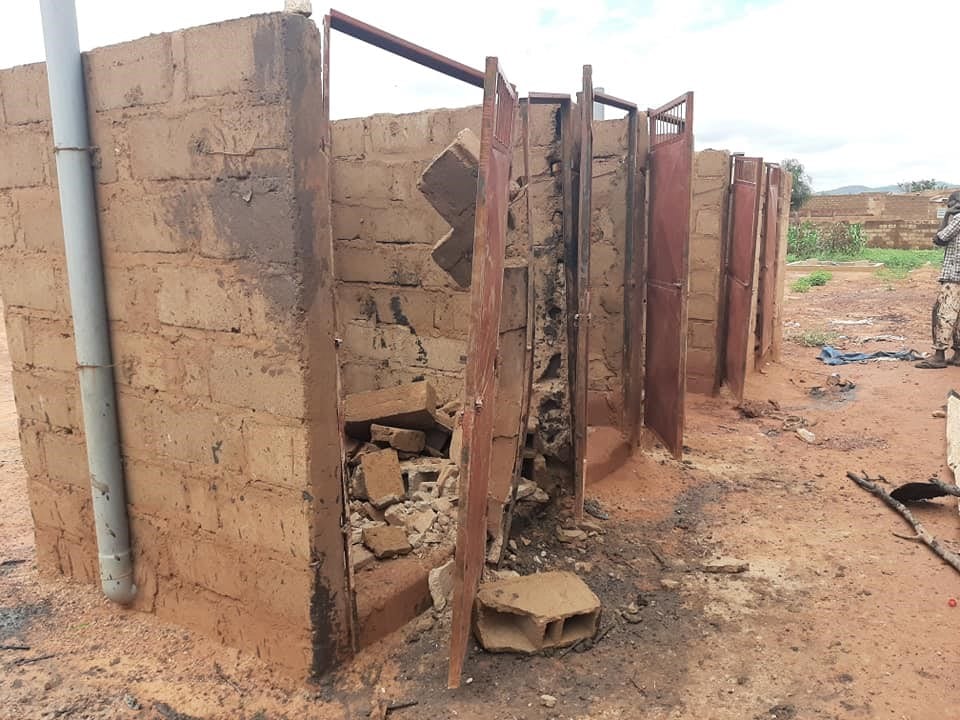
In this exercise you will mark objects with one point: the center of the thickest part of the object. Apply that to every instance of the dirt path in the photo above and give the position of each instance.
(836, 617)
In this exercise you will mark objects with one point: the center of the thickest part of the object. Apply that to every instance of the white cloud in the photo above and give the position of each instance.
(858, 91)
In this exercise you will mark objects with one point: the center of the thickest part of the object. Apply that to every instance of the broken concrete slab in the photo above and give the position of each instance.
(450, 184)
(441, 584)
(402, 439)
(361, 557)
(528, 614)
(570, 535)
(386, 542)
(412, 406)
(382, 481)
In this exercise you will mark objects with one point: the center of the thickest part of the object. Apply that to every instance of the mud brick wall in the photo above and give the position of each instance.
(211, 186)
(402, 318)
(889, 221)
(708, 217)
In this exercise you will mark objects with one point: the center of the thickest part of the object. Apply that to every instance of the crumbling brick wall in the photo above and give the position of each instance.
(402, 317)
(211, 185)
(889, 221)
(708, 217)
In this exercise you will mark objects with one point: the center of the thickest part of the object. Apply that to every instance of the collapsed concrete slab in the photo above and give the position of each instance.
(382, 480)
(531, 613)
(386, 541)
(412, 406)
(410, 441)
(450, 184)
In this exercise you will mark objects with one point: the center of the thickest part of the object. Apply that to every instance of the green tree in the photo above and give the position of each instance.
(802, 184)
(914, 186)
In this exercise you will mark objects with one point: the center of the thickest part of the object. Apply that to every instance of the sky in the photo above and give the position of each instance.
(841, 85)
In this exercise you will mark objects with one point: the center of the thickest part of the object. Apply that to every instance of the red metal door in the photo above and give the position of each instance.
(769, 268)
(581, 356)
(486, 289)
(670, 169)
(740, 266)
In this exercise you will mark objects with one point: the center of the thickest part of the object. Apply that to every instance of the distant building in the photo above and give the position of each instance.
(889, 220)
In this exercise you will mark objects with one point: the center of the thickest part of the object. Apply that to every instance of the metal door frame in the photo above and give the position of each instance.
(486, 290)
(671, 130)
(769, 267)
(739, 267)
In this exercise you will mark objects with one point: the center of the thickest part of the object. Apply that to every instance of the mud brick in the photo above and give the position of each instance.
(386, 542)
(411, 441)
(382, 477)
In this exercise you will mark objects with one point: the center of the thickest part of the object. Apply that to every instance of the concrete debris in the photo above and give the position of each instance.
(548, 701)
(806, 436)
(449, 183)
(386, 542)
(669, 584)
(726, 565)
(570, 535)
(529, 490)
(530, 613)
(412, 406)
(440, 582)
(411, 441)
(382, 481)
(361, 557)
(299, 7)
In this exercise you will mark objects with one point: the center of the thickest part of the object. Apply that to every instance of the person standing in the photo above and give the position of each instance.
(946, 310)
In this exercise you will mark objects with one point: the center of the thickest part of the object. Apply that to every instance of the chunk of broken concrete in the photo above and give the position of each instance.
(570, 535)
(411, 441)
(382, 481)
(440, 582)
(806, 436)
(387, 541)
(528, 614)
(413, 406)
(360, 557)
(449, 183)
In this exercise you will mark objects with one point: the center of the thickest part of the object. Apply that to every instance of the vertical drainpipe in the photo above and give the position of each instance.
(71, 140)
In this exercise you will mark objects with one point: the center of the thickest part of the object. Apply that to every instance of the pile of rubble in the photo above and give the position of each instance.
(402, 452)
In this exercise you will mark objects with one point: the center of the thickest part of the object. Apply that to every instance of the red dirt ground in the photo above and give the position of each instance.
(836, 617)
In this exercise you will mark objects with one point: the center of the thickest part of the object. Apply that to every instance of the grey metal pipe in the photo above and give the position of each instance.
(71, 140)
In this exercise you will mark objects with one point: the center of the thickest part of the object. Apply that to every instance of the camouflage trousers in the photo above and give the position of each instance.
(946, 314)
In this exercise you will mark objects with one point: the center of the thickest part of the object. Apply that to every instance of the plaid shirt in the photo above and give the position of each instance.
(951, 256)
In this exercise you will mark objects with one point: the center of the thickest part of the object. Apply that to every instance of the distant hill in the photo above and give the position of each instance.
(860, 189)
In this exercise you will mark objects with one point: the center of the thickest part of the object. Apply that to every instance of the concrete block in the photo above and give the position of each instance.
(610, 138)
(450, 184)
(253, 379)
(709, 222)
(389, 265)
(9, 231)
(255, 49)
(454, 253)
(25, 94)
(709, 190)
(276, 454)
(702, 334)
(49, 398)
(382, 480)
(268, 518)
(25, 157)
(386, 542)
(451, 314)
(702, 306)
(531, 613)
(31, 449)
(712, 163)
(131, 73)
(33, 282)
(40, 219)
(412, 441)
(375, 181)
(65, 459)
(348, 138)
(407, 134)
(209, 142)
(132, 295)
(411, 406)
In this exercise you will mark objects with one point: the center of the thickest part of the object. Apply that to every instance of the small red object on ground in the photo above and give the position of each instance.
(952, 602)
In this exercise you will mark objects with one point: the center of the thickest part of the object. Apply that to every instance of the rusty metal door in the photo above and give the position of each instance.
(769, 268)
(486, 289)
(740, 266)
(670, 169)
(581, 357)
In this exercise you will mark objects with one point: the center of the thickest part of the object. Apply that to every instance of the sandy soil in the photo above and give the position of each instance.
(836, 616)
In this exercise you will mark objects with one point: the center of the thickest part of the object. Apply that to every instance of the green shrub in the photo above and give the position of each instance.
(814, 338)
(803, 240)
(806, 240)
(802, 284)
(820, 278)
